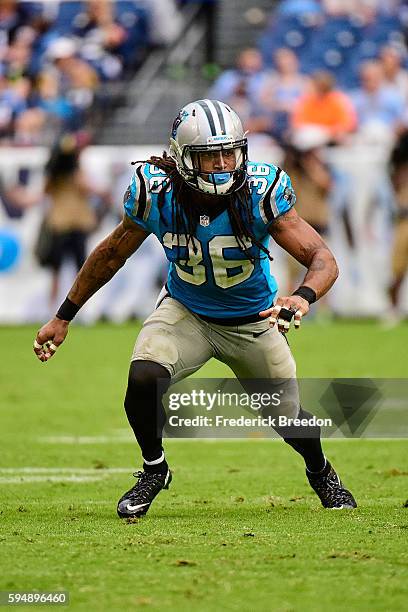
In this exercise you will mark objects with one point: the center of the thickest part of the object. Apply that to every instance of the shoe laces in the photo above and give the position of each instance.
(146, 485)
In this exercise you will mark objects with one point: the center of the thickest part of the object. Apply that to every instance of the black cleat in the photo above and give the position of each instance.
(137, 500)
(330, 490)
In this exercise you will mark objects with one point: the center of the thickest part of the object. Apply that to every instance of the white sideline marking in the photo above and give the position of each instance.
(26, 479)
(65, 470)
(86, 439)
(74, 506)
(27, 474)
(131, 440)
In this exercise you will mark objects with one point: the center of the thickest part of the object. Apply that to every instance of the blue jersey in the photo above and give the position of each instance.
(216, 279)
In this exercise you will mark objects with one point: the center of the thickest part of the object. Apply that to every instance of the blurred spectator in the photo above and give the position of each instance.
(13, 101)
(78, 81)
(17, 57)
(248, 74)
(281, 90)
(326, 108)
(311, 179)
(240, 88)
(380, 108)
(101, 37)
(70, 217)
(394, 74)
(13, 16)
(310, 176)
(49, 99)
(31, 128)
(399, 178)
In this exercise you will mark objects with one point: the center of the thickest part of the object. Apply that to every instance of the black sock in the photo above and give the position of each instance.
(144, 410)
(158, 468)
(311, 451)
(324, 471)
(309, 447)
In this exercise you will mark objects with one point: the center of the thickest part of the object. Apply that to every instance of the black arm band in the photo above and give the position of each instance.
(67, 310)
(307, 293)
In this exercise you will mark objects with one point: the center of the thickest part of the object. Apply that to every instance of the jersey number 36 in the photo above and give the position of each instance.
(227, 272)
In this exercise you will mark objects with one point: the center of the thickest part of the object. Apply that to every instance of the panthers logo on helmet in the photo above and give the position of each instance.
(178, 120)
(289, 195)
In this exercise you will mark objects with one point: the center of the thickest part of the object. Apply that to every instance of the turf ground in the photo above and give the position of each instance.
(238, 530)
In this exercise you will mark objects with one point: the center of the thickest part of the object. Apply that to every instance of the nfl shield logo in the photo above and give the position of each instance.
(204, 220)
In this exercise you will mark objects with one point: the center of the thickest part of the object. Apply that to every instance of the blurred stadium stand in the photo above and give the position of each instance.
(169, 78)
(334, 42)
(89, 49)
(138, 64)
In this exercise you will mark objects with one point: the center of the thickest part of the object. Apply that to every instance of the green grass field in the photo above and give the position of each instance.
(239, 528)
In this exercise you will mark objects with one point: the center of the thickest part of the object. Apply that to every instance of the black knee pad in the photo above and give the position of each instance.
(147, 373)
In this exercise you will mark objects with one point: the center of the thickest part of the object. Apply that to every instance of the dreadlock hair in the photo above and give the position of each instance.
(238, 206)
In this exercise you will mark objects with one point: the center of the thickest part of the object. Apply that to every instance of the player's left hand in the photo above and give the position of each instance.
(286, 308)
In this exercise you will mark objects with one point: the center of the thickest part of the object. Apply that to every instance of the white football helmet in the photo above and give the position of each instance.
(204, 127)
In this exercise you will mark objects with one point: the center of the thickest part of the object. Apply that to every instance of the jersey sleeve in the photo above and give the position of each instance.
(137, 200)
(278, 198)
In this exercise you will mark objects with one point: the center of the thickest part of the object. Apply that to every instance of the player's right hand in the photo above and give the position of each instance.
(49, 338)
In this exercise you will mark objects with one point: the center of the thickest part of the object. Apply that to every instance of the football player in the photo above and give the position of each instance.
(214, 213)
